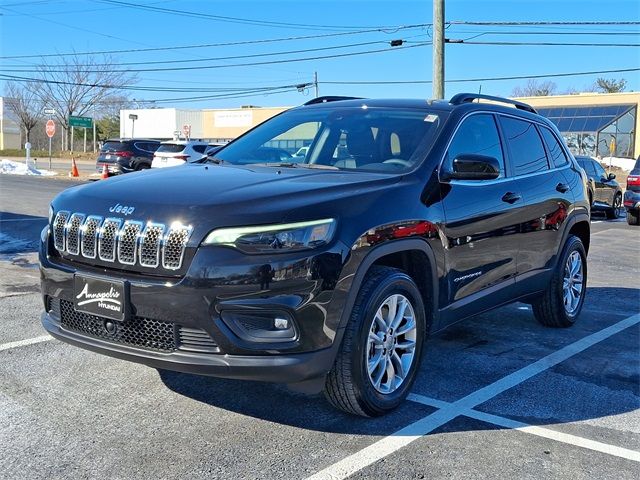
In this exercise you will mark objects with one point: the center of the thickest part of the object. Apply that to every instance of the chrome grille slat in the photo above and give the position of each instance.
(128, 242)
(89, 236)
(60, 230)
(107, 239)
(73, 233)
(174, 246)
(151, 244)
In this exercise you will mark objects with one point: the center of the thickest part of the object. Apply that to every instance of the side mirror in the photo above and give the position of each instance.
(611, 176)
(470, 166)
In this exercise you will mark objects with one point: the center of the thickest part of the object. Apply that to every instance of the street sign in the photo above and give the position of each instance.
(83, 122)
(50, 128)
(49, 111)
(186, 130)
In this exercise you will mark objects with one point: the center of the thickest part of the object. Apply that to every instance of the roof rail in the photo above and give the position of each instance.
(461, 98)
(330, 98)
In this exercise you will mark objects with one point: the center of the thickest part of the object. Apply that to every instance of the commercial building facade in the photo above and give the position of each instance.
(9, 127)
(594, 124)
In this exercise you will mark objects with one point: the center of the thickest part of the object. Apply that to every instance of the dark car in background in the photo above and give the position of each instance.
(632, 195)
(605, 193)
(124, 155)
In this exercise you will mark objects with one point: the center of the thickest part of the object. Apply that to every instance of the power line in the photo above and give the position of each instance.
(461, 22)
(486, 79)
(209, 67)
(543, 44)
(226, 19)
(223, 44)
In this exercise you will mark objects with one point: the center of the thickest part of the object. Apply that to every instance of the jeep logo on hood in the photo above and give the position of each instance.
(123, 209)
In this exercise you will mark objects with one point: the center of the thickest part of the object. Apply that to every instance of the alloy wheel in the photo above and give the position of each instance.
(573, 283)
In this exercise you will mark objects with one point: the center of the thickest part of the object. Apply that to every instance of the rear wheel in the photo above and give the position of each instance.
(382, 345)
(142, 166)
(561, 302)
(633, 218)
(616, 208)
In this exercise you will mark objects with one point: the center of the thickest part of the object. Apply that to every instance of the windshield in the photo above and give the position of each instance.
(353, 138)
(114, 146)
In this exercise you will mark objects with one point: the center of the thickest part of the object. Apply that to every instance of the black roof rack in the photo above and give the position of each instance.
(461, 98)
(330, 98)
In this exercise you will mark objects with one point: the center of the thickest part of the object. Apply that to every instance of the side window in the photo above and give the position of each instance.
(199, 148)
(526, 151)
(588, 167)
(556, 152)
(600, 173)
(477, 134)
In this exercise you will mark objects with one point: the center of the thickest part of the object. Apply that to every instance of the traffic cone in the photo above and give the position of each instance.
(74, 168)
(105, 172)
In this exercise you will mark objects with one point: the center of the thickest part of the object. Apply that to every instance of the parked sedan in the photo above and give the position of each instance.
(632, 195)
(605, 193)
(124, 155)
(179, 152)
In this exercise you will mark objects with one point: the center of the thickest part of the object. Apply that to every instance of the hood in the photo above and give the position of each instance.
(212, 196)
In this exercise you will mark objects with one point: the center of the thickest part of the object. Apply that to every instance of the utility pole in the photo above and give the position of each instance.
(315, 83)
(438, 49)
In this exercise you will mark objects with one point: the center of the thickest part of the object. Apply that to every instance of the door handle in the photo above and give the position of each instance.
(562, 187)
(511, 197)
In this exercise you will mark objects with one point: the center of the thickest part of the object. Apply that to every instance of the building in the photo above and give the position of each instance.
(9, 127)
(594, 124)
(160, 123)
(215, 125)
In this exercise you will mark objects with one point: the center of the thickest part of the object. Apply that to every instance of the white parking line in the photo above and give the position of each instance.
(403, 437)
(24, 343)
(535, 430)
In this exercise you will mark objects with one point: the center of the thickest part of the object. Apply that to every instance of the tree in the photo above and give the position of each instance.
(25, 104)
(533, 88)
(80, 85)
(606, 85)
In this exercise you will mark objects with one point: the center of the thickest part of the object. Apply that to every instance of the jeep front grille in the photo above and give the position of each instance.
(112, 240)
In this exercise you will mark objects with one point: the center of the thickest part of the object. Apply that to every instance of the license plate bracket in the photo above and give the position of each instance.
(101, 296)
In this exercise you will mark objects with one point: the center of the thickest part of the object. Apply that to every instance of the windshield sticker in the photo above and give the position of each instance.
(431, 118)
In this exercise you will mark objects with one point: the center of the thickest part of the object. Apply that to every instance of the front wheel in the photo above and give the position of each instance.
(561, 302)
(633, 218)
(616, 208)
(382, 345)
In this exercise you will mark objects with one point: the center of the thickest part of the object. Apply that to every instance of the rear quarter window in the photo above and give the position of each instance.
(557, 156)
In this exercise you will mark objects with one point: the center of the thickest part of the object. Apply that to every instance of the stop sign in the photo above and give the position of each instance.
(50, 128)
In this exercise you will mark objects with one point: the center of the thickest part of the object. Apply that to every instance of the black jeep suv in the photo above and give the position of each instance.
(404, 217)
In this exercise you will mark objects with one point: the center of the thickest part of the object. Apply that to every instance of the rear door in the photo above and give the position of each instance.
(540, 168)
(605, 188)
(482, 217)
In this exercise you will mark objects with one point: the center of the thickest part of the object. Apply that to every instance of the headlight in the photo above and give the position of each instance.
(273, 238)
(50, 214)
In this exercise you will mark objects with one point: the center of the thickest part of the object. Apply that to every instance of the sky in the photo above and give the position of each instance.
(53, 27)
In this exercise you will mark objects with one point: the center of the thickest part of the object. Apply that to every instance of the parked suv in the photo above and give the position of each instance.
(632, 195)
(179, 152)
(124, 155)
(604, 192)
(404, 217)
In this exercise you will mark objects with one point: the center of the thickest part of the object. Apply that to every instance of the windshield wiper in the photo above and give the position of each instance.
(298, 165)
(217, 161)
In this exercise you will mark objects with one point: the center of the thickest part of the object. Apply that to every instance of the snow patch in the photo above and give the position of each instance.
(623, 163)
(18, 168)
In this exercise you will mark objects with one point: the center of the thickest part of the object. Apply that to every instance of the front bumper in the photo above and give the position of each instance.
(291, 368)
(207, 300)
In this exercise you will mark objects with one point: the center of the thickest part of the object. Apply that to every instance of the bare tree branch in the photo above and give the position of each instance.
(25, 104)
(533, 88)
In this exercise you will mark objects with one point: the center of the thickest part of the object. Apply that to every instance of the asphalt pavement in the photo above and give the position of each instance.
(498, 395)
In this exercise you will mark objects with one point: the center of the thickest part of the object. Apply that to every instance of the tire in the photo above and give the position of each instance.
(633, 218)
(550, 308)
(614, 212)
(349, 385)
(142, 166)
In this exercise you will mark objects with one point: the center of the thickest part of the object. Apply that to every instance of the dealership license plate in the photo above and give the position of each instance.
(102, 297)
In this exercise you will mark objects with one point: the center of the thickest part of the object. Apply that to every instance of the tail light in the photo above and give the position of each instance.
(124, 154)
(633, 180)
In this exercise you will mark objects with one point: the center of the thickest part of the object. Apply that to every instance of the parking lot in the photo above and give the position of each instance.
(498, 395)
